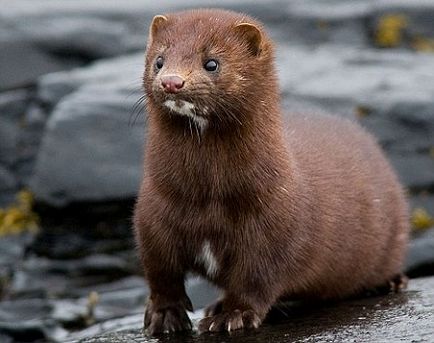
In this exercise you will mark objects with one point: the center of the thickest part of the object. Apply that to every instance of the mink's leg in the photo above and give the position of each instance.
(214, 308)
(167, 304)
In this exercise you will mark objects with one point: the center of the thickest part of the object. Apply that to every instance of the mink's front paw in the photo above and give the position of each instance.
(398, 283)
(171, 318)
(230, 321)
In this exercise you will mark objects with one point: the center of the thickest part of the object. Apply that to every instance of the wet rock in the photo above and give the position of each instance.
(126, 283)
(200, 292)
(86, 311)
(399, 317)
(131, 322)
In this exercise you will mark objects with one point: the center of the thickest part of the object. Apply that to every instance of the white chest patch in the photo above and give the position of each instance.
(207, 258)
(187, 109)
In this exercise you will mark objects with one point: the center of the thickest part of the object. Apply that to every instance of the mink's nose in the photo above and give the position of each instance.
(172, 83)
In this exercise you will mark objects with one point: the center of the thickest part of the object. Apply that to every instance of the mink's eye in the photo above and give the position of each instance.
(159, 62)
(211, 65)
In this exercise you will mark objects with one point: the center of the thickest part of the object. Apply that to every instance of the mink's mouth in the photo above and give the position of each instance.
(188, 109)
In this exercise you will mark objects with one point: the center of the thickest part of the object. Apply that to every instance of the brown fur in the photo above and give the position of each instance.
(308, 207)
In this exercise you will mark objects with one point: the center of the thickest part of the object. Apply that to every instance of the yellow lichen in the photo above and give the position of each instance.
(322, 24)
(19, 216)
(423, 44)
(362, 111)
(92, 301)
(389, 31)
(421, 219)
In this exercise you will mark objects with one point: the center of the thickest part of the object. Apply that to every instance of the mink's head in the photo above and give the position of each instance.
(209, 66)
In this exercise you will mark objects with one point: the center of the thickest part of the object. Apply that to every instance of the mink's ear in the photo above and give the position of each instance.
(252, 35)
(157, 22)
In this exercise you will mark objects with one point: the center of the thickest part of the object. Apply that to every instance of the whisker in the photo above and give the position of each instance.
(137, 110)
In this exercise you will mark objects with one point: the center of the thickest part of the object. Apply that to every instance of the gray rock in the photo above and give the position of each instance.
(29, 320)
(21, 127)
(12, 248)
(7, 180)
(22, 63)
(425, 201)
(6, 339)
(416, 171)
(115, 305)
(89, 150)
(88, 31)
(420, 259)
(126, 69)
(395, 89)
(413, 124)
(12, 252)
(363, 76)
(42, 277)
(103, 29)
(13, 106)
(89, 37)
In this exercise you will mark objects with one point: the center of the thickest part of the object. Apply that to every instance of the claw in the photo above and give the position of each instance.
(230, 321)
(211, 326)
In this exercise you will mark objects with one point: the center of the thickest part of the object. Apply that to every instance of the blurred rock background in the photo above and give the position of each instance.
(72, 131)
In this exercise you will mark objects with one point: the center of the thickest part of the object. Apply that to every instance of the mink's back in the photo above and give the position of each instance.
(354, 196)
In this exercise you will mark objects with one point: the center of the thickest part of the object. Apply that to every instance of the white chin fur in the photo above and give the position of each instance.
(187, 109)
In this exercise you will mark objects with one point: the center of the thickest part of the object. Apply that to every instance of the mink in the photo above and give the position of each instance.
(265, 205)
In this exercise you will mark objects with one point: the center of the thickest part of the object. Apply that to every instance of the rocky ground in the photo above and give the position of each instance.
(72, 131)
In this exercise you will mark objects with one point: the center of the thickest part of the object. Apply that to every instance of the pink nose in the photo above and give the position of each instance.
(172, 83)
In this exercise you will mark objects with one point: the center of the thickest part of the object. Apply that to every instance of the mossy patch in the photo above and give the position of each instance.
(421, 219)
(393, 30)
(19, 216)
(423, 44)
(389, 30)
(362, 111)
